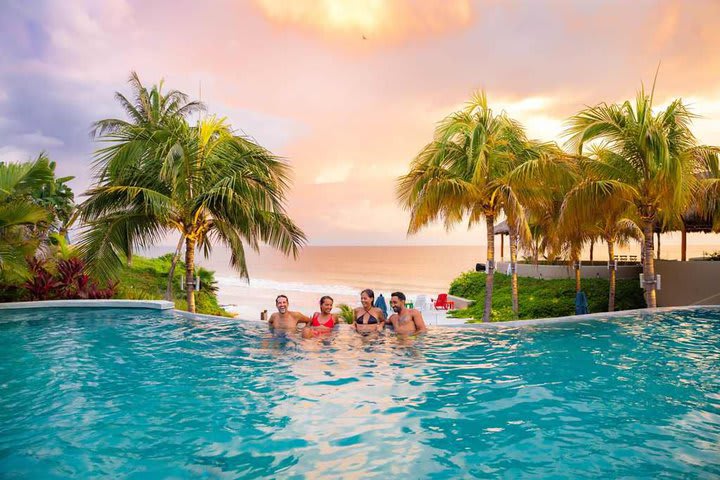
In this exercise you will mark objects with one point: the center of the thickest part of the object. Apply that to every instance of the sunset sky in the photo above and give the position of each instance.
(346, 90)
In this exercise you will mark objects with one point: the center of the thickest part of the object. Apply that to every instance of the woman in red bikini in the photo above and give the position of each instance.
(322, 321)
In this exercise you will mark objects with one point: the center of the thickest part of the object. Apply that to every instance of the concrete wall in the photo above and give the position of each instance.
(682, 283)
(565, 271)
(688, 283)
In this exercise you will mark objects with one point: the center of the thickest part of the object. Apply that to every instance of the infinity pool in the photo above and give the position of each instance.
(138, 393)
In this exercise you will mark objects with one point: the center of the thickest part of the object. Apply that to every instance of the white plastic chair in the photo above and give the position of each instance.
(422, 302)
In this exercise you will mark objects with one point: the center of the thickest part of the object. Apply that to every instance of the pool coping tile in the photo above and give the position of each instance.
(81, 303)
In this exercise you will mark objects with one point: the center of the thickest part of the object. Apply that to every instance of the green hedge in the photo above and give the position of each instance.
(539, 298)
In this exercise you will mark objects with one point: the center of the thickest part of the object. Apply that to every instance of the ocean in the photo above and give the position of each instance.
(341, 272)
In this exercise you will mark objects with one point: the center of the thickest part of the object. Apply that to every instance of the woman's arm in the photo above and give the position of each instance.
(381, 317)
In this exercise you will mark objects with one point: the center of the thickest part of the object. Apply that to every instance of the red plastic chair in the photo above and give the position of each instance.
(442, 302)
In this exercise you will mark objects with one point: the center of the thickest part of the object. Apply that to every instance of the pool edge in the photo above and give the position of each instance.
(580, 318)
(111, 303)
(166, 305)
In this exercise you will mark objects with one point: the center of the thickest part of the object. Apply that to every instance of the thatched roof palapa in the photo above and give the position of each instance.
(502, 228)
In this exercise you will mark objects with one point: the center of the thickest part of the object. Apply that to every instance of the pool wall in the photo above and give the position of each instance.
(582, 318)
(165, 305)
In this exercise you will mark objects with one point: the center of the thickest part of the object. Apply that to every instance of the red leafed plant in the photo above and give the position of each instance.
(70, 282)
(43, 285)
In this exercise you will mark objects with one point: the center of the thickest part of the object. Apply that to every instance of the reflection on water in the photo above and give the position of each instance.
(115, 393)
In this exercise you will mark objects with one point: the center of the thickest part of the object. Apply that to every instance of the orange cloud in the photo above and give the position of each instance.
(386, 21)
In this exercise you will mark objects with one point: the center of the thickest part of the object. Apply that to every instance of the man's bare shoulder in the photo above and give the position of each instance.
(393, 316)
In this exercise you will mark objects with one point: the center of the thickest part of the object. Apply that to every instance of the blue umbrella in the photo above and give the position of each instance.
(581, 303)
(381, 304)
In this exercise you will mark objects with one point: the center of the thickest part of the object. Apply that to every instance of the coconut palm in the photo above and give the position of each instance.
(706, 203)
(19, 213)
(149, 108)
(204, 182)
(456, 176)
(518, 188)
(609, 220)
(652, 165)
(542, 181)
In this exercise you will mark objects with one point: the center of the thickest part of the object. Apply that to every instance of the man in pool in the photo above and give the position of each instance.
(284, 319)
(405, 321)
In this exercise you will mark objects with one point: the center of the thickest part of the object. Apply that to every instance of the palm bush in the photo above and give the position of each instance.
(20, 215)
(346, 313)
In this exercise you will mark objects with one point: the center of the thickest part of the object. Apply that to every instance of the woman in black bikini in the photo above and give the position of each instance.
(368, 318)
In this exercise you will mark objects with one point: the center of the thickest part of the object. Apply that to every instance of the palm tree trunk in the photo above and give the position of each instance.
(649, 266)
(169, 289)
(592, 250)
(683, 247)
(576, 265)
(489, 280)
(613, 274)
(513, 270)
(658, 250)
(190, 273)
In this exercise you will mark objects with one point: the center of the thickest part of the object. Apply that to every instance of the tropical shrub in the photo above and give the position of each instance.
(67, 280)
(346, 313)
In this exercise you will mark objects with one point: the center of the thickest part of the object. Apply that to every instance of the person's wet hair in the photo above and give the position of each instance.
(281, 296)
(369, 293)
(326, 297)
(399, 295)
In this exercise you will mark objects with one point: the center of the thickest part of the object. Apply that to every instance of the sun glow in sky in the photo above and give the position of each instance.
(347, 91)
(379, 20)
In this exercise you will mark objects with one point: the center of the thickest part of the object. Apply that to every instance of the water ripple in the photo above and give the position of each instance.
(115, 393)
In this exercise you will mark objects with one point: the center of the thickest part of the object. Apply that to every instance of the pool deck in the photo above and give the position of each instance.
(434, 318)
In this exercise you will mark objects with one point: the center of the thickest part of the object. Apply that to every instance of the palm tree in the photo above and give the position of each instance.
(707, 199)
(150, 109)
(652, 163)
(541, 199)
(204, 182)
(456, 176)
(607, 216)
(19, 213)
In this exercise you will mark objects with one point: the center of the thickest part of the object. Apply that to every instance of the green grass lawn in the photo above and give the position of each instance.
(145, 279)
(541, 298)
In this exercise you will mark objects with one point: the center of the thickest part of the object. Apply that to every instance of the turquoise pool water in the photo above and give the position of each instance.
(143, 394)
